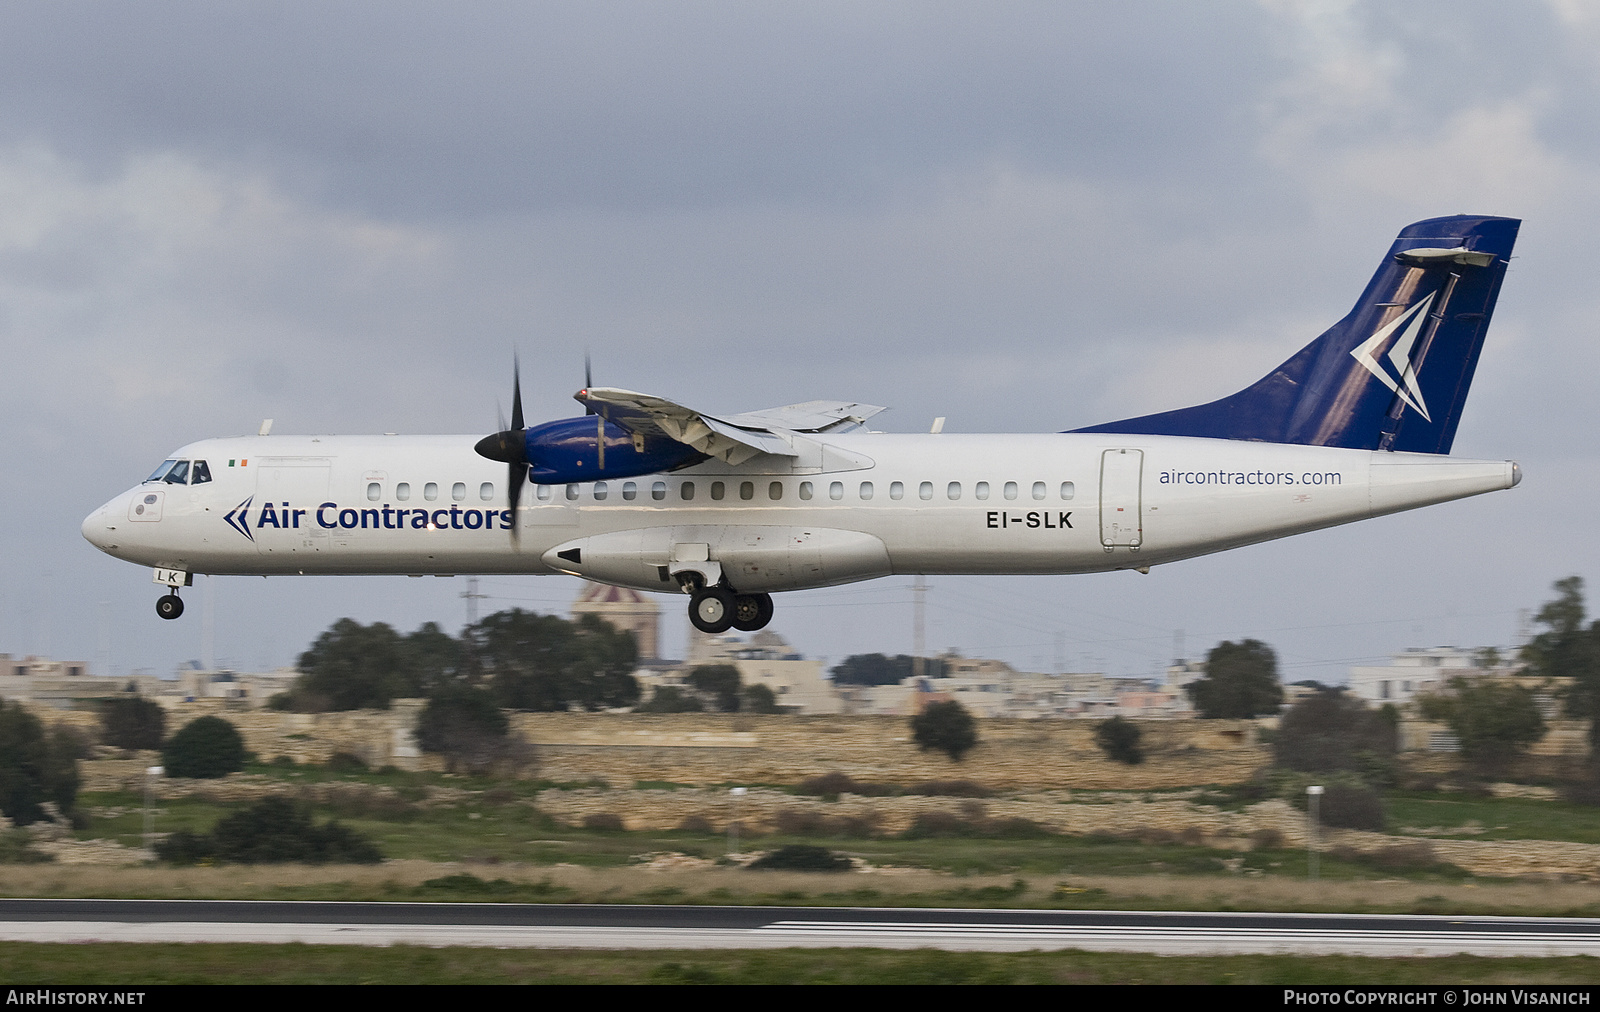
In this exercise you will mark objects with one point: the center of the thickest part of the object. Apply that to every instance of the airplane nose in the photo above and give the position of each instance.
(100, 527)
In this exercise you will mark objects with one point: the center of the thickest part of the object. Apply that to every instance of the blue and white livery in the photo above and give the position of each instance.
(645, 493)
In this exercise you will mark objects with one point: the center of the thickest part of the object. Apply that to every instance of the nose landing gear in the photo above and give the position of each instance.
(169, 606)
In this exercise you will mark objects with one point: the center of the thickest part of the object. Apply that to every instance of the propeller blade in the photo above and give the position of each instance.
(514, 481)
(588, 381)
(600, 437)
(516, 393)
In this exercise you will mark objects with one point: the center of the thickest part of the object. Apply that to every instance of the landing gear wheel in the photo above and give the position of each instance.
(169, 606)
(752, 612)
(711, 610)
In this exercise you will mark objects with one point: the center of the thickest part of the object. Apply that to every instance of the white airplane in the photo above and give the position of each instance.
(649, 494)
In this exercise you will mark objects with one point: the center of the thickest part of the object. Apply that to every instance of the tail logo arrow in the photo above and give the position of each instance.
(1399, 356)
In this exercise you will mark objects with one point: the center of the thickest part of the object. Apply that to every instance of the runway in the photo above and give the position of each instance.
(711, 927)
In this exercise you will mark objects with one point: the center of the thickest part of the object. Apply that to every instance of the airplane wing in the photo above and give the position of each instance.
(732, 438)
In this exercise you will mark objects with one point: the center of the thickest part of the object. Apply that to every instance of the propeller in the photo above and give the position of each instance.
(589, 409)
(509, 446)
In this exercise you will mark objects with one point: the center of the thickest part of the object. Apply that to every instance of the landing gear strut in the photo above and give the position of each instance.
(715, 610)
(169, 606)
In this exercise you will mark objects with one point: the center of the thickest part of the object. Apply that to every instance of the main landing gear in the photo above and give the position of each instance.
(169, 606)
(715, 610)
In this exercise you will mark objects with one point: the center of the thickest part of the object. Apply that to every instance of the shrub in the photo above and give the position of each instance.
(696, 824)
(467, 727)
(945, 727)
(345, 762)
(608, 822)
(802, 857)
(1119, 740)
(1330, 732)
(205, 749)
(1349, 807)
(274, 830)
(829, 785)
(133, 722)
(36, 766)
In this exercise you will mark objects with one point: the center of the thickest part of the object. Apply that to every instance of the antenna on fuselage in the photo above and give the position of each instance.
(266, 427)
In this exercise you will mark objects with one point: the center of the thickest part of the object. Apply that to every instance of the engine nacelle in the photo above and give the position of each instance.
(568, 450)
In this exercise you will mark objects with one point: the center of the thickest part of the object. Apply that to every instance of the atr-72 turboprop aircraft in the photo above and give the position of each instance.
(645, 493)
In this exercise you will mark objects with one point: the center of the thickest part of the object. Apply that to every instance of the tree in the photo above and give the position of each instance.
(206, 748)
(1494, 721)
(1570, 651)
(465, 725)
(1331, 732)
(671, 699)
(945, 727)
(132, 722)
(719, 684)
(1119, 740)
(542, 662)
(36, 766)
(1241, 681)
(878, 669)
(353, 667)
(758, 699)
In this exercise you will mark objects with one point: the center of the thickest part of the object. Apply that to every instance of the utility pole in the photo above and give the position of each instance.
(919, 590)
(472, 598)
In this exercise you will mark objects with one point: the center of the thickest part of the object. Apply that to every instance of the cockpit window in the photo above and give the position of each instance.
(156, 475)
(179, 475)
(200, 473)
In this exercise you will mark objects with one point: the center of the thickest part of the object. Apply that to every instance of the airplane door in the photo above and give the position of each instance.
(1120, 506)
(302, 484)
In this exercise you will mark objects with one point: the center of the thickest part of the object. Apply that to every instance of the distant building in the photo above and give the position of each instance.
(627, 611)
(1417, 671)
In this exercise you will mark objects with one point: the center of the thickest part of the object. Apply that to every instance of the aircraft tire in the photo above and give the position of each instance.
(711, 610)
(752, 612)
(169, 606)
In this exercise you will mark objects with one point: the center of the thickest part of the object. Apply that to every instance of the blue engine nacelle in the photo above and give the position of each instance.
(568, 450)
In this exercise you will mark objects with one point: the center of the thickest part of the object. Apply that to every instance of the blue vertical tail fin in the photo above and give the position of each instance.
(1394, 373)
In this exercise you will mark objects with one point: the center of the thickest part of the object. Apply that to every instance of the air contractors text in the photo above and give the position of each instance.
(330, 516)
(1251, 478)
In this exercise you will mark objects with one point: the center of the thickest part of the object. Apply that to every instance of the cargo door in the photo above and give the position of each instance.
(1120, 505)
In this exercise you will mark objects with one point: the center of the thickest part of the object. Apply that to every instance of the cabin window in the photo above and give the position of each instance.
(159, 472)
(572, 491)
(600, 491)
(1067, 490)
(430, 491)
(658, 491)
(866, 490)
(775, 491)
(179, 475)
(630, 490)
(686, 490)
(925, 490)
(836, 490)
(200, 474)
(1010, 491)
(980, 490)
(747, 490)
(486, 491)
(544, 492)
(805, 490)
(1038, 490)
(374, 491)
(402, 491)
(897, 490)
(718, 490)
(953, 490)
(458, 491)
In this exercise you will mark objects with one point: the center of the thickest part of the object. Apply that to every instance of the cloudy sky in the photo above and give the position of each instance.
(1025, 217)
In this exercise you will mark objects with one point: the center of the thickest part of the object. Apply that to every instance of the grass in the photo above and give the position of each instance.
(1497, 818)
(123, 964)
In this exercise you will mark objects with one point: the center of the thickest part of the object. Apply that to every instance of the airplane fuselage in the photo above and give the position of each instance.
(880, 504)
